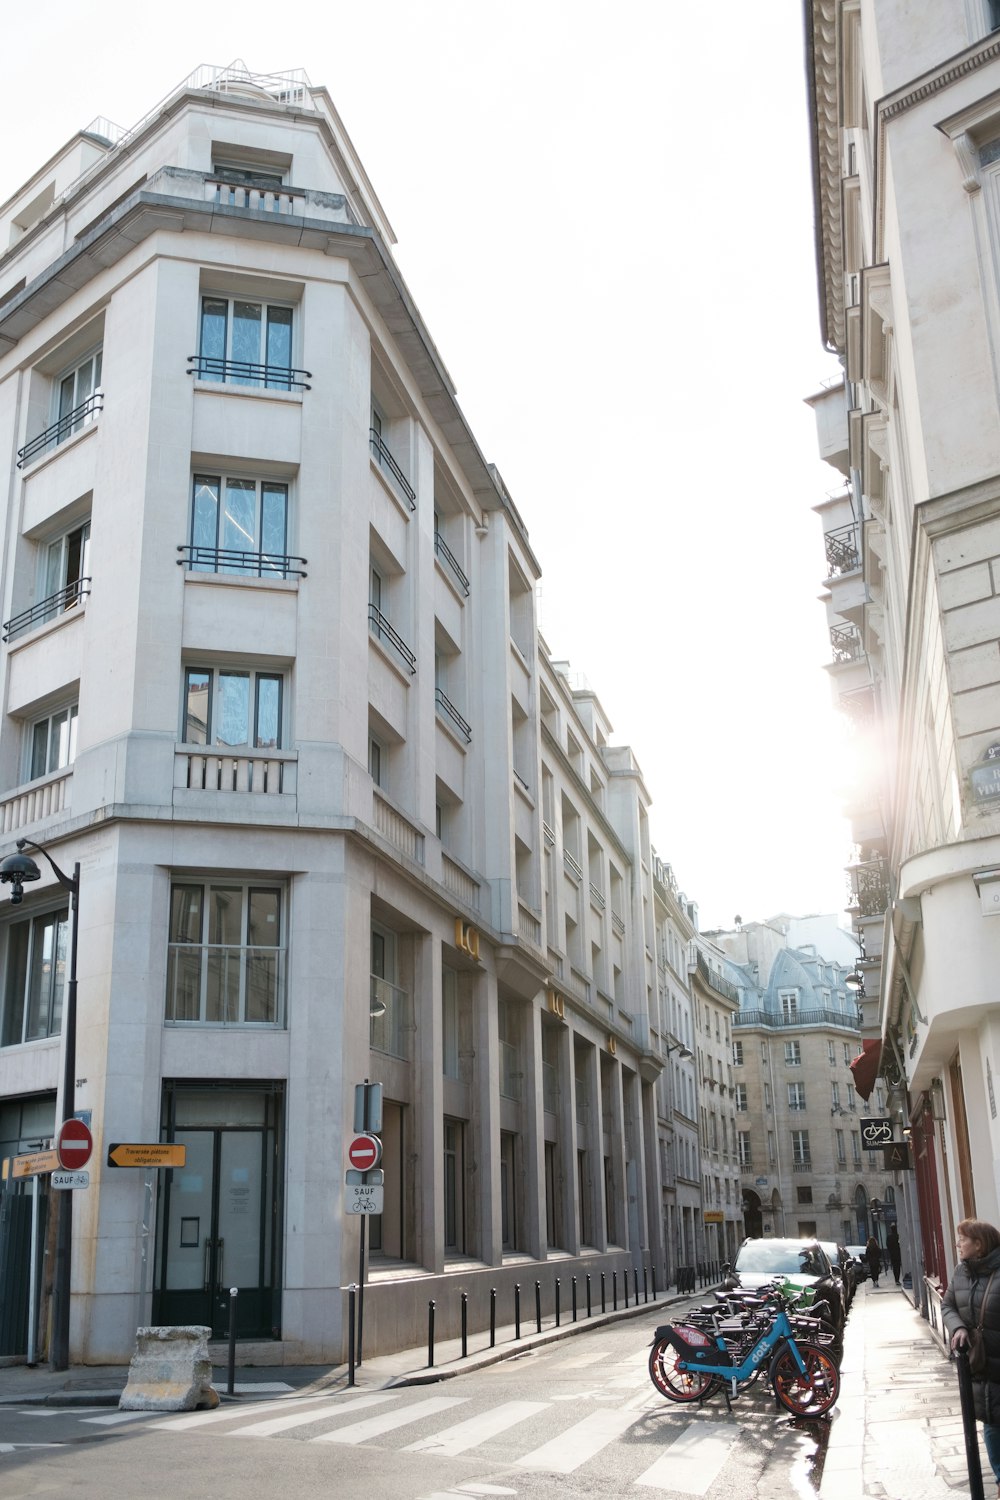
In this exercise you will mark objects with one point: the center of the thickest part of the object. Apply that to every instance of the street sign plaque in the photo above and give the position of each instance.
(364, 1198)
(875, 1133)
(34, 1164)
(74, 1143)
(71, 1179)
(146, 1154)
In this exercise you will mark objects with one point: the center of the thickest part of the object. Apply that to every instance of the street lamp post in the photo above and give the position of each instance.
(683, 1053)
(15, 871)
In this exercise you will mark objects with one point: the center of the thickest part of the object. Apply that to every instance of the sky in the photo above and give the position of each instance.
(604, 214)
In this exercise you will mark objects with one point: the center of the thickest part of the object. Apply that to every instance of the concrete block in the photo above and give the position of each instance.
(965, 585)
(976, 667)
(170, 1371)
(977, 712)
(972, 624)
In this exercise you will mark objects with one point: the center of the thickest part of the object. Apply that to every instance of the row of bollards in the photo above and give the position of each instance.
(638, 1295)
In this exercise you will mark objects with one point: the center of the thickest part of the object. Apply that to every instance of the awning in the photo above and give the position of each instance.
(865, 1068)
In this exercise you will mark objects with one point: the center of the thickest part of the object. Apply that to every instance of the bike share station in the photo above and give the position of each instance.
(364, 1194)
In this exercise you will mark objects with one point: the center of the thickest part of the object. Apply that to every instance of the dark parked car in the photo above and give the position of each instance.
(803, 1262)
(843, 1261)
(859, 1256)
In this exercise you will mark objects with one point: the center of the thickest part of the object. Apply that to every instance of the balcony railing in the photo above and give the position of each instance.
(572, 866)
(262, 772)
(248, 372)
(450, 713)
(842, 553)
(528, 925)
(716, 981)
(214, 985)
(249, 564)
(597, 897)
(618, 922)
(42, 799)
(380, 627)
(390, 1032)
(859, 706)
(444, 552)
(847, 643)
(262, 198)
(817, 1017)
(79, 417)
(868, 884)
(801, 1166)
(46, 609)
(385, 460)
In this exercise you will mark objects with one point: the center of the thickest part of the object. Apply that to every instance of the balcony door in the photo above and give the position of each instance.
(218, 1213)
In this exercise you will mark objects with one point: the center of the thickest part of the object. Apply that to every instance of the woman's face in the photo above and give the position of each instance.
(968, 1248)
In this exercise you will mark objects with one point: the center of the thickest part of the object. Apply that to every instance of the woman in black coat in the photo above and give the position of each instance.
(972, 1294)
(873, 1255)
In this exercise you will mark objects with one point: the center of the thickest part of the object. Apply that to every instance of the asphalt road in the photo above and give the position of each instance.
(575, 1418)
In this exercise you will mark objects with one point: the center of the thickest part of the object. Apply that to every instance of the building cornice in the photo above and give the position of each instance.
(822, 80)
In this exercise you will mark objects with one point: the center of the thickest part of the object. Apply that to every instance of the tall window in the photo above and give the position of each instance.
(831, 1052)
(225, 963)
(738, 1054)
(789, 1005)
(75, 390)
(52, 742)
(745, 1153)
(239, 526)
(234, 708)
(793, 1054)
(67, 561)
(835, 1096)
(772, 1155)
(841, 1149)
(454, 1186)
(856, 1148)
(741, 1098)
(796, 1096)
(34, 978)
(852, 1102)
(449, 1024)
(246, 343)
(767, 1096)
(800, 1148)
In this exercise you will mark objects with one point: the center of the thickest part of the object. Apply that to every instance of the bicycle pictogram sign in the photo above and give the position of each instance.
(875, 1134)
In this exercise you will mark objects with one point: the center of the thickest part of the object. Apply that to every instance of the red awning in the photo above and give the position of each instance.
(865, 1068)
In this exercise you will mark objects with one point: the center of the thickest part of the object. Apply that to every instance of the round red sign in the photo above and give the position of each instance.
(364, 1152)
(74, 1144)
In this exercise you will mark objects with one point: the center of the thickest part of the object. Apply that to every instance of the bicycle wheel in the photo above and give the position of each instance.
(675, 1384)
(811, 1394)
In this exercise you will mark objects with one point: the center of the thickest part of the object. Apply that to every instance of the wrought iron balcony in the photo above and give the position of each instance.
(716, 981)
(444, 552)
(817, 1017)
(250, 564)
(380, 627)
(385, 460)
(450, 713)
(842, 552)
(859, 706)
(868, 882)
(80, 416)
(46, 609)
(248, 372)
(847, 643)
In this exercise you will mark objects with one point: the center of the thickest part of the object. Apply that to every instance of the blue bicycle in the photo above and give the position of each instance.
(686, 1365)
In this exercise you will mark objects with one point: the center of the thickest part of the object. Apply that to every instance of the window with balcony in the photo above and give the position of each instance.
(386, 459)
(51, 742)
(233, 707)
(63, 580)
(379, 623)
(789, 1005)
(34, 978)
(796, 1096)
(793, 1054)
(246, 343)
(240, 526)
(800, 1148)
(225, 958)
(77, 400)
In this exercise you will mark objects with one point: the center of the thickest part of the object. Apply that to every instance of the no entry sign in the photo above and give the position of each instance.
(74, 1144)
(364, 1152)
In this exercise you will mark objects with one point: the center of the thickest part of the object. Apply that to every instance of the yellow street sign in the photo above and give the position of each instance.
(714, 1216)
(151, 1154)
(34, 1164)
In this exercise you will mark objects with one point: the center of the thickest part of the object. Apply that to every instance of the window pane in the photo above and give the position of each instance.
(54, 568)
(39, 749)
(268, 735)
(205, 520)
(246, 339)
(14, 991)
(198, 707)
(185, 914)
(279, 344)
(84, 381)
(62, 740)
(239, 521)
(213, 336)
(274, 509)
(67, 396)
(48, 970)
(232, 710)
(263, 919)
(225, 915)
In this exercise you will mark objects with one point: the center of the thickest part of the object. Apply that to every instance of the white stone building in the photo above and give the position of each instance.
(271, 673)
(905, 125)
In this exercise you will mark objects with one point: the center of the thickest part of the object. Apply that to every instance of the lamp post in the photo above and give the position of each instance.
(16, 870)
(683, 1053)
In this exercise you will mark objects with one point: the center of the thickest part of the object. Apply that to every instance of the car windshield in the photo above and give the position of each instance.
(777, 1259)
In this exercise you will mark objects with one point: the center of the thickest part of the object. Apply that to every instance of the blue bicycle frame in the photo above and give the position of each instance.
(706, 1360)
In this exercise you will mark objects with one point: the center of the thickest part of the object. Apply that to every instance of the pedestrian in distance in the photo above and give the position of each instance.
(873, 1255)
(973, 1301)
(895, 1254)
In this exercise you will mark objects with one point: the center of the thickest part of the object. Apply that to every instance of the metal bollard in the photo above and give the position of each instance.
(493, 1317)
(625, 1284)
(517, 1309)
(538, 1307)
(653, 1274)
(430, 1335)
(971, 1426)
(635, 1285)
(352, 1297)
(574, 1299)
(645, 1287)
(603, 1301)
(557, 1301)
(614, 1291)
(234, 1293)
(589, 1313)
(465, 1325)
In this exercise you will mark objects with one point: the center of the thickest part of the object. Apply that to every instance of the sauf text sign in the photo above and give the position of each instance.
(364, 1197)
